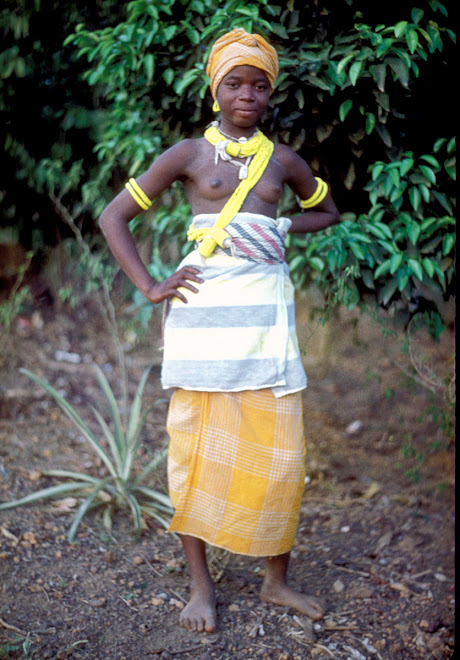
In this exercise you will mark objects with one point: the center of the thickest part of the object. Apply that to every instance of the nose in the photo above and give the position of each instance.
(246, 93)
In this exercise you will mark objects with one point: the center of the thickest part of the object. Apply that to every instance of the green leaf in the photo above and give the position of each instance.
(136, 513)
(84, 507)
(151, 465)
(75, 417)
(406, 165)
(444, 201)
(383, 269)
(377, 170)
(154, 495)
(296, 261)
(368, 278)
(331, 258)
(431, 160)
(168, 76)
(316, 263)
(412, 40)
(428, 266)
(379, 71)
(357, 250)
(384, 47)
(118, 458)
(428, 172)
(149, 66)
(416, 15)
(180, 84)
(344, 61)
(354, 72)
(135, 417)
(400, 69)
(413, 231)
(376, 231)
(415, 197)
(300, 98)
(388, 290)
(402, 279)
(45, 493)
(345, 108)
(113, 410)
(393, 173)
(400, 29)
(395, 262)
(448, 244)
(416, 268)
(370, 123)
(385, 135)
(425, 192)
(320, 83)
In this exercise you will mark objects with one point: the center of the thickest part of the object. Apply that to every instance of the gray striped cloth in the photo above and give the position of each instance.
(238, 332)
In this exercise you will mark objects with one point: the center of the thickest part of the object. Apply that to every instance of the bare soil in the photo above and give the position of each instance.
(375, 540)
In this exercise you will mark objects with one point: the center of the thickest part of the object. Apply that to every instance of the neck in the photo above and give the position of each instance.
(235, 132)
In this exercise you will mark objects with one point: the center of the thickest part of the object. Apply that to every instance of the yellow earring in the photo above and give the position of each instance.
(215, 106)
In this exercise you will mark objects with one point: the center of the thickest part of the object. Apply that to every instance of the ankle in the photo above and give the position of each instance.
(203, 586)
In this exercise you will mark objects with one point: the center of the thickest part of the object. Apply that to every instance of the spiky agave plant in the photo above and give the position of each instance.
(121, 488)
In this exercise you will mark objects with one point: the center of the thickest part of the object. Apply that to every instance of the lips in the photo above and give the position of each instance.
(246, 111)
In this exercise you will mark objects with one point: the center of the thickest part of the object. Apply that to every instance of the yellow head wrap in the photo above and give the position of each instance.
(236, 48)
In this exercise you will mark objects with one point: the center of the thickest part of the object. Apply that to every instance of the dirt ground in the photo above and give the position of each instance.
(376, 534)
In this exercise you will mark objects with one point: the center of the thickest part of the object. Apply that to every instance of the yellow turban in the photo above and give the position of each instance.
(236, 48)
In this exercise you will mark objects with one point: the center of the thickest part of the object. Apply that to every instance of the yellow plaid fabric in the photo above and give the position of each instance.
(236, 468)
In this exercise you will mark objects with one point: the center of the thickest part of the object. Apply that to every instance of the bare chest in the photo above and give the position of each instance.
(211, 184)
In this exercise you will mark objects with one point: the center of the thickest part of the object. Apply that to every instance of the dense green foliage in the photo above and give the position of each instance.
(363, 95)
(49, 121)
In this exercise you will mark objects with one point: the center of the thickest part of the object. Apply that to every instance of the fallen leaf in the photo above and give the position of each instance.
(11, 537)
(30, 537)
(354, 428)
(65, 505)
(383, 542)
(440, 577)
(398, 586)
(338, 586)
(34, 588)
(372, 490)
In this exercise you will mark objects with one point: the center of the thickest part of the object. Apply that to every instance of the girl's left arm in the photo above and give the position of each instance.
(301, 180)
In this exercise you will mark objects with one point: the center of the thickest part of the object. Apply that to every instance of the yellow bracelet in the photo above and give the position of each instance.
(317, 197)
(138, 194)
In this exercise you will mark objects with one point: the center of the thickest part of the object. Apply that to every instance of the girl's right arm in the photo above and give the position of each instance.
(169, 167)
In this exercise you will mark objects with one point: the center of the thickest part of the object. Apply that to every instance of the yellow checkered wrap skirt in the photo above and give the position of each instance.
(236, 468)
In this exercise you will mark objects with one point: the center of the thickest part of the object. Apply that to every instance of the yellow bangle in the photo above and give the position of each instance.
(317, 197)
(138, 194)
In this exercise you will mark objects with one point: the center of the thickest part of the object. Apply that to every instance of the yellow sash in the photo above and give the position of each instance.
(261, 148)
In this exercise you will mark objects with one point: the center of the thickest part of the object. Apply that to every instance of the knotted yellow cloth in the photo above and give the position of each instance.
(237, 48)
(261, 148)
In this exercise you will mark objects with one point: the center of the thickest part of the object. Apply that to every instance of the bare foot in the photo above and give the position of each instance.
(200, 613)
(282, 594)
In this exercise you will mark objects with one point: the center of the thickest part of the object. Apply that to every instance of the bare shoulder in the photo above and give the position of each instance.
(174, 164)
(297, 173)
(179, 156)
(288, 158)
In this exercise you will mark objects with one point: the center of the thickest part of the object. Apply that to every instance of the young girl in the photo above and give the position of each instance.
(236, 457)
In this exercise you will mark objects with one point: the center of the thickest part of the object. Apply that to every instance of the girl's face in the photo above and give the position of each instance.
(243, 96)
